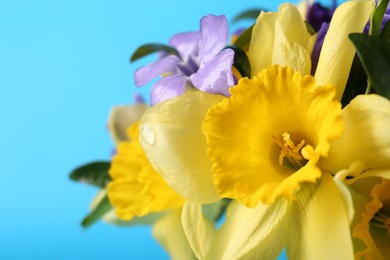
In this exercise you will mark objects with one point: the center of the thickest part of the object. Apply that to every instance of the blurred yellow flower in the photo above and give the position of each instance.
(136, 188)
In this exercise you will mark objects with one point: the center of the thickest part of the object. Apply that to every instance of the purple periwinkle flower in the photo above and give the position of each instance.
(318, 14)
(202, 63)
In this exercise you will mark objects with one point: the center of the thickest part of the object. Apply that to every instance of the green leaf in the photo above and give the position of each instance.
(374, 53)
(385, 34)
(147, 220)
(150, 48)
(95, 173)
(357, 82)
(249, 14)
(102, 208)
(214, 211)
(241, 61)
(244, 39)
(309, 28)
(376, 20)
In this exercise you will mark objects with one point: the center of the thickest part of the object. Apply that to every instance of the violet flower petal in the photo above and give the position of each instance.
(317, 15)
(315, 55)
(214, 30)
(186, 44)
(216, 75)
(167, 64)
(167, 87)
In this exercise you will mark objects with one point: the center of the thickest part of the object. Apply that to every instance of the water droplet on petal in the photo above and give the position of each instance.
(147, 133)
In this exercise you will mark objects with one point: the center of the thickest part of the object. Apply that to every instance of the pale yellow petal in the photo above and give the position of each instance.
(337, 51)
(346, 195)
(121, 118)
(366, 136)
(290, 40)
(289, 53)
(169, 232)
(252, 233)
(198, 229)
(320, 224)
(176, 147)
(303, 6)
(260, 54)
(292, 24)
(280, 38)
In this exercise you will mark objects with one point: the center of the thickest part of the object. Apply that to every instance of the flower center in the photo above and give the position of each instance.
(381, 219)
(290, 151)
(190, 66)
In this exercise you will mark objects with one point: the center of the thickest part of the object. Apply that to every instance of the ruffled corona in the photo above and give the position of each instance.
(374, 227)
(136, 188)
(266, 139)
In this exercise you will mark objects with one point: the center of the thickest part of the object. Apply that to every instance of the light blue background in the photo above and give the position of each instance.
(63, 65)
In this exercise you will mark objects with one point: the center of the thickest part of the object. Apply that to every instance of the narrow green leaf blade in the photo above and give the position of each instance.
(309, 28)
(102, 208)
(248, 14)
(374, 53)
(241, 61)
(357, 82)
(385, 34)
(376, 20)
(95, 173)
(150, 48)
(244, 39)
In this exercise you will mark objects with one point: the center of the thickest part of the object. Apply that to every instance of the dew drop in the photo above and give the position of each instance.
(147, 133)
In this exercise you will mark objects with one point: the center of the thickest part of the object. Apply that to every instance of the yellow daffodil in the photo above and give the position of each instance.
(266, 151)
(136, 190)
(277, 138)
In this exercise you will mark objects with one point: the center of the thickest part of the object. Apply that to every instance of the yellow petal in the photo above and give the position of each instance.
(121, 118)
(290, 40)
(244, 135)
(303, 7)
(337, 51)
(280, 38)
(176, 147)
(320, 224)
(169, 232)
(199, 231)
(136, 188)
(262, 42)
(366, 136)
(252, 233)
(290, 54)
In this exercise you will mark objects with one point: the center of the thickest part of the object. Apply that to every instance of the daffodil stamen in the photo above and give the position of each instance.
(290, 151)
(381, 220)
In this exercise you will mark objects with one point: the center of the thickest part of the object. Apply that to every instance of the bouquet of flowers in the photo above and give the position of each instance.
(277, 140)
